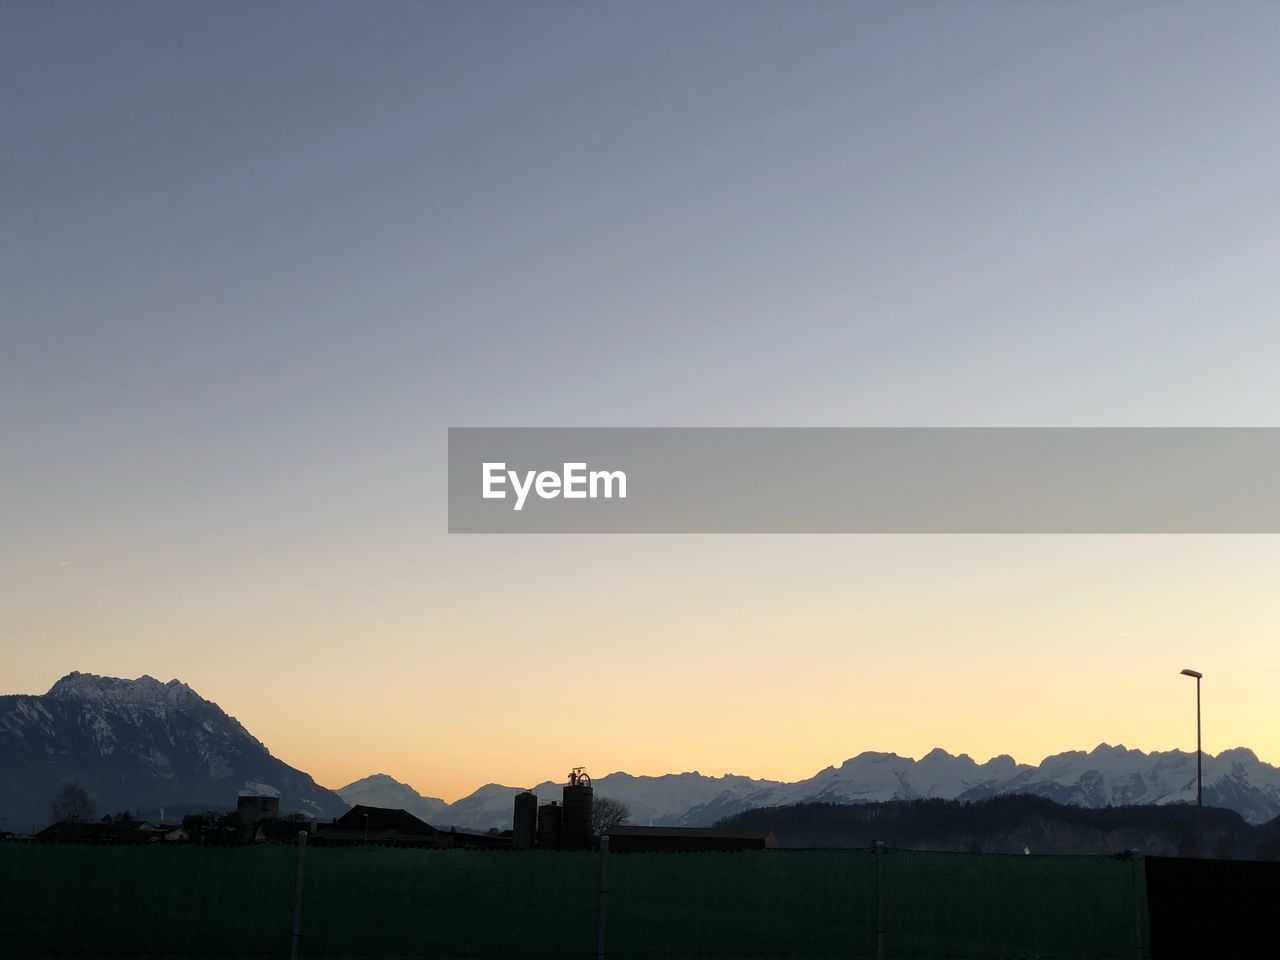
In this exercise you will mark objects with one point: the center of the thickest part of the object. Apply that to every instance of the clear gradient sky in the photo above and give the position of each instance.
(257, 257)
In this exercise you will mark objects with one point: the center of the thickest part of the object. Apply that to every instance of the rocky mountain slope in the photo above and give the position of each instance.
(135, 745)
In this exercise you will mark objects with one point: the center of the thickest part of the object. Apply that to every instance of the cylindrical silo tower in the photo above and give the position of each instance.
(524, 823)
(575, 831)
(549, 815)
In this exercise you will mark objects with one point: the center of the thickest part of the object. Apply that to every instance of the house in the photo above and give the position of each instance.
(257, 802)
(686, 840)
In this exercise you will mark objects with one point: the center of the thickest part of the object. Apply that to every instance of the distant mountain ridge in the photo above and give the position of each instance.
(136, 745)
(1105, 776)
(380, 790)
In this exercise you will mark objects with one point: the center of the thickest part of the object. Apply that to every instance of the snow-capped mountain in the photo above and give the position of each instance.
(1104, 776)
(1235, 779)
(875, 776)
(381, 790)
(136, 745)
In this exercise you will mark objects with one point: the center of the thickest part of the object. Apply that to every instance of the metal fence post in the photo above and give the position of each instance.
(296, 943)
(1135, 859)
(879, 900)
(604, 896)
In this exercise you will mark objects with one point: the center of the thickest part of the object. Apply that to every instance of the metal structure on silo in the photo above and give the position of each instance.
(575, 830)
(524, 822)
(549, 816)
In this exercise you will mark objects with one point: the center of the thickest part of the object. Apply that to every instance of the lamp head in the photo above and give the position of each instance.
(1192, 673)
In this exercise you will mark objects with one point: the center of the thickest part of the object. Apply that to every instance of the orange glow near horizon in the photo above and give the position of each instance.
(767, 657)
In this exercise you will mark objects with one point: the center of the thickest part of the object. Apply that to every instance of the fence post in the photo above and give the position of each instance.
(604, 895)
(1135, 859)
(879, 900)
(296, 943)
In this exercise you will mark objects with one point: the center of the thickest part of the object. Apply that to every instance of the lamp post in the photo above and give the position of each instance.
(1199, 768)
(1199, 755)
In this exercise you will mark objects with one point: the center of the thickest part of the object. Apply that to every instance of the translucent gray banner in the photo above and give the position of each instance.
(863, 480)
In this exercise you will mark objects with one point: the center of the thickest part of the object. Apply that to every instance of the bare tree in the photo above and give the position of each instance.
(71, 804)
(607, 813)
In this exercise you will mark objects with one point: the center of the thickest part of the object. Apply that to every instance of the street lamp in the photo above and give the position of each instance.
(1199, 764)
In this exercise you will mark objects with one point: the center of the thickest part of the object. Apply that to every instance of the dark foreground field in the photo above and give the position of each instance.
(191, 901)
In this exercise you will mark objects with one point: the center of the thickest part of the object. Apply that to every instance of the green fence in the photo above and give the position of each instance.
(780, 903)
(82, 900)
(190, 901)
(941, 905)
(383, 902)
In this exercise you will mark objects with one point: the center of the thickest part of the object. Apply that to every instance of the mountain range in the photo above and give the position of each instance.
(1105, 776)
(143, 744)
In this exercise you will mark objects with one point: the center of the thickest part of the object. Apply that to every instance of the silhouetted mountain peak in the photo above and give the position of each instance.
(1107, 750)
(384, 790)
(374, 779)
(870, 756)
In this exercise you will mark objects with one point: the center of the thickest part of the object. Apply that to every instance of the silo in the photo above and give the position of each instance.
(578, 795)
(549, 824)
(524, 823)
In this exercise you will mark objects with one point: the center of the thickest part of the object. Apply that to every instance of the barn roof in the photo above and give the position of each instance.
(382, 819)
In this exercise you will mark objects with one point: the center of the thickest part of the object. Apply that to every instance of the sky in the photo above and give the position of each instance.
(258, 257)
